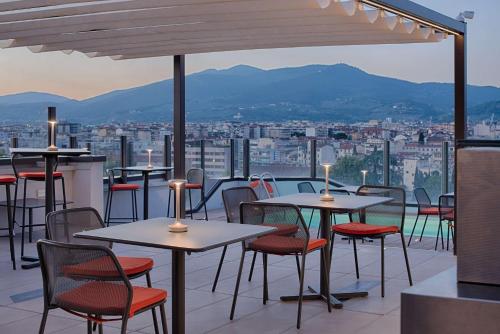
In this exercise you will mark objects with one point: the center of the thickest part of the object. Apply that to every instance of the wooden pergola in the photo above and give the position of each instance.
(129, 29)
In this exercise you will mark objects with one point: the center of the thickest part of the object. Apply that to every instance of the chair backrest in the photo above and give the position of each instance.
(447, 207)
(111, 178)
(336, 191)
(196, 175)
(305, 187)
(62, 224)
(233, 197)
(391, 213)
(22, 164)
(272, 214)
(423, 200)
(69, 285)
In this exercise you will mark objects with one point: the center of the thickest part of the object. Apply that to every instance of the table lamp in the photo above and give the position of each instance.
(327, 196)
(178, 226)
(149, 158)
(52, 146)
(364, 172)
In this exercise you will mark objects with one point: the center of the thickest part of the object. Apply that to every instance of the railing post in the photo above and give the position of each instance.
(14, 142)
(89, 146)
(167, 154)
(313, 158)
(202, 154)
(232, 154)
(73, 142)
(123, 156)
(246, 158)
(387, 162)
(444, 167)
(130, 153)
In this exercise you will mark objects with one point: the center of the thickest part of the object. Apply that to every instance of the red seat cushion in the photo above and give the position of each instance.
(124, 186)
(283, 245)
(104, 267)
(364, 229)
(283, 229)
(7, 179)
(108, 298)
(429, 211)
(269, 187)
(37, 175)
(449, 215)
(188, 185)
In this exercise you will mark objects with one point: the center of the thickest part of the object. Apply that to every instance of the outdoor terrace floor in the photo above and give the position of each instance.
(21, 302)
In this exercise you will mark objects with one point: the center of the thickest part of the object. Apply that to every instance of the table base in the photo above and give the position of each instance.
(35, 262)
(336, 298)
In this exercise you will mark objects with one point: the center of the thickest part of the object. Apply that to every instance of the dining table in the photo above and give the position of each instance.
(345, 203)
(145, 171)
(201, 236)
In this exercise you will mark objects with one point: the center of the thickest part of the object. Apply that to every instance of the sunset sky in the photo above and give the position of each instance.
(79, 77)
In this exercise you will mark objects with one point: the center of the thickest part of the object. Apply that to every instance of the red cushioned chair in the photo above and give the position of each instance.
(7, 181)
(297, 244)
(377, 222)
(425, 208)
(195, 178)
(62, 224)
(121, 187)
(447, 215)
(91, 294)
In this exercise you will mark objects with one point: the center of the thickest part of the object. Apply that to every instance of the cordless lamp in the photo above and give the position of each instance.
(178, 226)
(52, 146)
(327, 196)
(364, 172)
(149, 158)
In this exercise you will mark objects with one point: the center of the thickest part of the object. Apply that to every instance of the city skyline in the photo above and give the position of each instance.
(77, 76)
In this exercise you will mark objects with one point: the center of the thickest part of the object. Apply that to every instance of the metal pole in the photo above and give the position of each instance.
(73, 142)
(167, 154)
(444, 167)
(179, 123)
(232, 154)
(313, 158)
(130, 154)
(387, 162)
(246, 158)
(202, 154)
(123, 156)
(14, 142)
(89, 146)
(51, 117)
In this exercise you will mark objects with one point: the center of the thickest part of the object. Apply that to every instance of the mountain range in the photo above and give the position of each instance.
(314, 92)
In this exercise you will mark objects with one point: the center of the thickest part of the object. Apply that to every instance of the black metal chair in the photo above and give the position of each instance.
(446, 214)
(299, 243)
(425, 208)
(307, 187)
(63, 224)
(90, 294)
(195, 178)
(377, 222)
(113, 187)
(7, 181)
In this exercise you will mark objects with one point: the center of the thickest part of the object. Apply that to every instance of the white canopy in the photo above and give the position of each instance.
(126, 29)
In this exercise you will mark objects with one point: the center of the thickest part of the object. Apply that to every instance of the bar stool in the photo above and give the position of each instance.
(195, 181)
(114, 187)
(7, 181)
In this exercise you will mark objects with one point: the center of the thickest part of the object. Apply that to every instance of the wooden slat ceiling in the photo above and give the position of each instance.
(127, 29)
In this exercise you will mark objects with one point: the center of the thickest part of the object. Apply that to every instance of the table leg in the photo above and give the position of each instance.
(178, 292)
(50, 161)
(145, 201)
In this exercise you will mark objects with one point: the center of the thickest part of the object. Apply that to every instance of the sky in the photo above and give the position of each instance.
(79, 77)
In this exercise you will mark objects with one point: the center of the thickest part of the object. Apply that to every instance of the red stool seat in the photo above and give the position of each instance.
(88, 298)
(283, 245)
(124, 186)
(37, 175)
(449, 215)
(104, 267)
(187, 185)
(429, 211)
(356, 228)
(7, 179)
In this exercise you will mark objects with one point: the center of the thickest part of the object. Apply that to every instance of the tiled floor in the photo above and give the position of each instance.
(208, 312)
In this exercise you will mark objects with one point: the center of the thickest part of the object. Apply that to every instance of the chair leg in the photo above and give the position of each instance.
(219, 268)
(405, 252)
(190, 204)
(41, 330)
(327, 276)
(89, 326)
(297, 262)
(413, 230)
(15, 202)
(252, 266)
(106, 214)
(110, 207)
(423, 228)
(30, 225)
(133, 206)
(310, 219)
(163, 319)
(265, 295)
(331, 252)
(382, 269)
(168, 206)
(153, 311)
(204, 203)
(124, 326)
(24, 218)
(301, 290)
(237, 287)
(448, 238)
(356, 257)
(439, 231)
(10, 223)
(63, 185)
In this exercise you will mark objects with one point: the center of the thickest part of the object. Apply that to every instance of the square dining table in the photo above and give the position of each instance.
(345, 203)
(201, 236)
